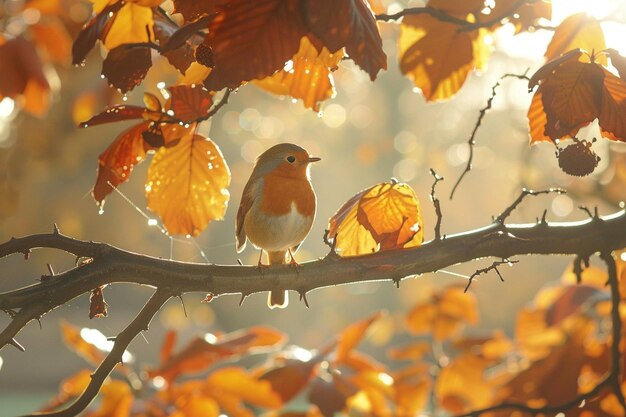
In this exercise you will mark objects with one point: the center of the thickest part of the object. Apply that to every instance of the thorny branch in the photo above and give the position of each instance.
(493, 267)
(436, 203)
(171, 278)
(506, 213)
(472, 139)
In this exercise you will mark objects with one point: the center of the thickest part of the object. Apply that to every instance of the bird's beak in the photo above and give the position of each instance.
(314, 159)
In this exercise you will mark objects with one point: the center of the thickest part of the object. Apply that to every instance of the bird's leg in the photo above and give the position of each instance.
(260, 265)
(293, 262)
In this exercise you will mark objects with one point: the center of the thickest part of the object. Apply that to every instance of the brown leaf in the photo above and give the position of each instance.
(349, 24)
(437, 56)
(187, 185)
(190, 102)
(200, 353)
(383, 217)
(571, 97)
(549, 67)
(612, 118)
(177, 44)
(116, 163)
(97, 305)
(193, 9)
(290, 378)
(252, 42)
(309, 78)
(91, 32)
(618, 61)
(330, 396)
(115, 114)
(578, 31)
(126, 67)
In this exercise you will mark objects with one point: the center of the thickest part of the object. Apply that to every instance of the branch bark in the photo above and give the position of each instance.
(113, 265)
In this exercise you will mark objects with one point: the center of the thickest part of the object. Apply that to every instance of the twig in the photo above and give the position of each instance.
(444, 17)
(472, 141)
(493, 267)
(436, 203)
(615, 376)
(139, 324)
(506, 213)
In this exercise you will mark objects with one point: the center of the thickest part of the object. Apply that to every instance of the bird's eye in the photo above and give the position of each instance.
(291, 159)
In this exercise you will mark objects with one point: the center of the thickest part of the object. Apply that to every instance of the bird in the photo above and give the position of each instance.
(277, 208)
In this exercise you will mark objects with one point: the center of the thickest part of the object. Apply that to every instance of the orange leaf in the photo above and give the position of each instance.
(117, 162)
(232, 386)
(54, 38)
(523, 16)
(196, 406)
(612, 118)
(309, 78)
(618, 61)
(92, 31)
(459, 9)
(578, 31)
(349, 24)
(252, 42)
(452, 384)
(437, 56)
(193, 9)
(292, 376)
(187, 185)
(351, 336)
(537, 119)
(200, 353)
(190, 102)
(86, 350)
(571, 97)
(411, 351)
(383, 217)
(116, 400)
(444, 314)
(132, 23)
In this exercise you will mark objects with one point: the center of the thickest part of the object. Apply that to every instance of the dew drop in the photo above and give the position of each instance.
(101, 211)
(102, 76)
(320, 114)
(152, 222)
(124, 98)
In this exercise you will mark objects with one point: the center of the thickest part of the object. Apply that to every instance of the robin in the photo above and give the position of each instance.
(277, 207)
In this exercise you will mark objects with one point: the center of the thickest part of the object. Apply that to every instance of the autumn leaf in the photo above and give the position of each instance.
(189, 103)
(612, 118)
(308, 77)
(349, 24)
(53, 38)
(383, 217)
(117, 162)
(69, 388)
(571, 97)
(330, 396)
(193, 9)
(187, 185)
(201, 353)
(578, 31)
(97, 305)
(116, 400)
(444, 314)
(91, 32)
(232, 386)
(176, 43)
(618, 61)
(23, 78)
(437, 56)
(458, 9)
(132, 23)
(410, 351)
(523, 16)
(351, 336)
(116, 114)
(125, 68)
(252, 42)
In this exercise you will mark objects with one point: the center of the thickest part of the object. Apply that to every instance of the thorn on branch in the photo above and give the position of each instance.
(578, 267)
(472, 139)
(586, 210)
(436, 203)
(243, 297)
(15, 343)
(55, 229)
(50, 270)
(182, 303)
(525, 192)
(303, 298)
(494, 266)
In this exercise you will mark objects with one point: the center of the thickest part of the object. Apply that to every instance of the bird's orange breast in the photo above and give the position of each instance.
(280, 192)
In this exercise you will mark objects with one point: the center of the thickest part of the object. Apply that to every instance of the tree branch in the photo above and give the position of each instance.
(139, 324)
(114, 265)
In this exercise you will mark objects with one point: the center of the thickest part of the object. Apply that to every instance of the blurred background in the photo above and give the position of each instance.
(368, 133)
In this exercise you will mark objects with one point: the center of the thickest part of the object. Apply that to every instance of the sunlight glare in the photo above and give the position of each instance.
(7, 105)
(99, 340)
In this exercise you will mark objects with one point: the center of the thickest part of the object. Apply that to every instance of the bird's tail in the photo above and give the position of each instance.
(277, 299)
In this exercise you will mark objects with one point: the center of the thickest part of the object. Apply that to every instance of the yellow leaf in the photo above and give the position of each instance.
(309, 77)
(187, 185)
(437, 56)
(383, 217)
(131, 24)
(578, 31)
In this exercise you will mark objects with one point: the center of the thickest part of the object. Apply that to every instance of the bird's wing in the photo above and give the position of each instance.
(247, 198)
